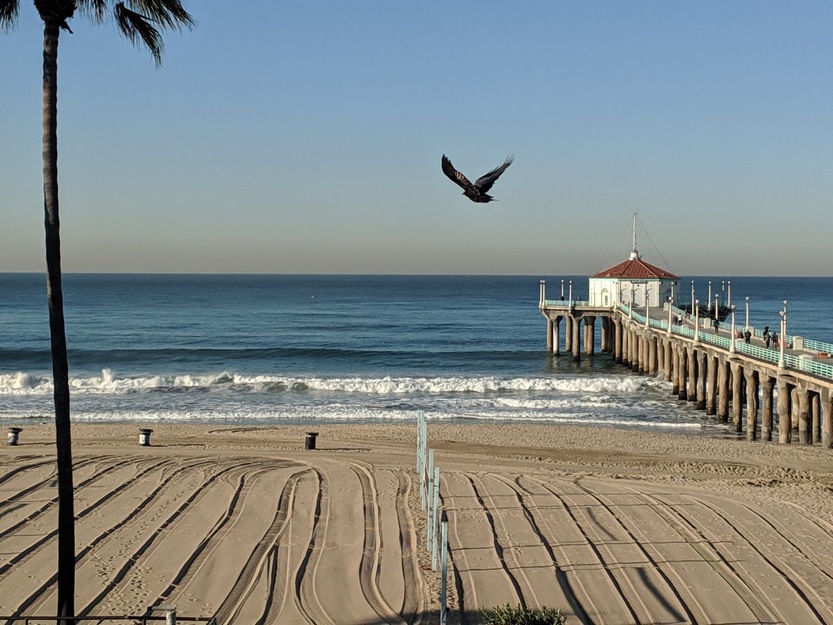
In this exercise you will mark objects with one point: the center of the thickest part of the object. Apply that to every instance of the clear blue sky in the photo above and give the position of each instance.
(305, 137)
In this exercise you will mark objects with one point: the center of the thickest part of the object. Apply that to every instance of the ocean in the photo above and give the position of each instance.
(310, 349)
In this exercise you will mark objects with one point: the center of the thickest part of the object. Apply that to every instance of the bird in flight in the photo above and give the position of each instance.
(477, 192)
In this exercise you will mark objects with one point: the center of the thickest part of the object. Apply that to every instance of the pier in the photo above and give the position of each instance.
(760, 388)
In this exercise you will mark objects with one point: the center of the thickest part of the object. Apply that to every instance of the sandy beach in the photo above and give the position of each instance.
(245, 525)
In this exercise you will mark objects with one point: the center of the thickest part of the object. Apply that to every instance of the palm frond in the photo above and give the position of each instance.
(8, 12)
(137, 28)
(94, 9)
(140, 20)
(167, 13)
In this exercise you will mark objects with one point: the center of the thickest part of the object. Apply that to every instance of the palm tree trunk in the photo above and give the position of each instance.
(54, 294)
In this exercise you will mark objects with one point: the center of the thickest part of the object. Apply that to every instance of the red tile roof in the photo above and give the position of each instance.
(636, 269)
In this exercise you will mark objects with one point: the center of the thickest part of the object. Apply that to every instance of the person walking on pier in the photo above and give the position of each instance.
(774, 341)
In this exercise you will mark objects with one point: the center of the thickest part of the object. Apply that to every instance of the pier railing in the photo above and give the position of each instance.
(801, 362)
(797, 361)
(818, 346)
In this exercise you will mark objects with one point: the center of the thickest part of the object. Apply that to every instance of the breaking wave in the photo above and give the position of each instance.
(109, 383)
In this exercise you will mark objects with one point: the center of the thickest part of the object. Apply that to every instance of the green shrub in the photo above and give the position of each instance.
(519, 615)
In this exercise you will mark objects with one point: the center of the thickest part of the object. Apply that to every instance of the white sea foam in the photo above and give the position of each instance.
(109, 382)
(593, 399)
(18, 381)
(335, 414)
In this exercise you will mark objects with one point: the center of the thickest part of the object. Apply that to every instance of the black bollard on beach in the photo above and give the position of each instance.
(13, 435)
(144, 437)
(309, 442)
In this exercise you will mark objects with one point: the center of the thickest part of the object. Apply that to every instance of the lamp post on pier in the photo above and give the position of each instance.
(562, 290)
(728, 292)
(571, 294)
(709, 300)
(670, 301)
(783, 338)
(630, 304)
(716, 308)
(697, 321)
(746, 327)
(732, 338)
(647, 308)
(692, 295)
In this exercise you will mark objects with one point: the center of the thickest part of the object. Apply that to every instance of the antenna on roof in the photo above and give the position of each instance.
(634, 253)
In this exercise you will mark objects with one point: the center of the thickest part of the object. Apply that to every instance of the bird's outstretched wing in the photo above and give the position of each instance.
(485, 182)
(456, 176)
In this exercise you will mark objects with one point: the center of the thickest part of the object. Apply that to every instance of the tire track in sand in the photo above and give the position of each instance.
(476, 556)
(369, 569)
(35, 546)
(413, 605)
(42, 593)
(134, 559)
(772, 589)
(49, 482)
(640, 528)
(531, 512)
(507, 555)
(306, 599)
(259, 557)
(245, 480)
(595, 588)
(281, 598)
(20, 470)
(683, 551)
(804, 594)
